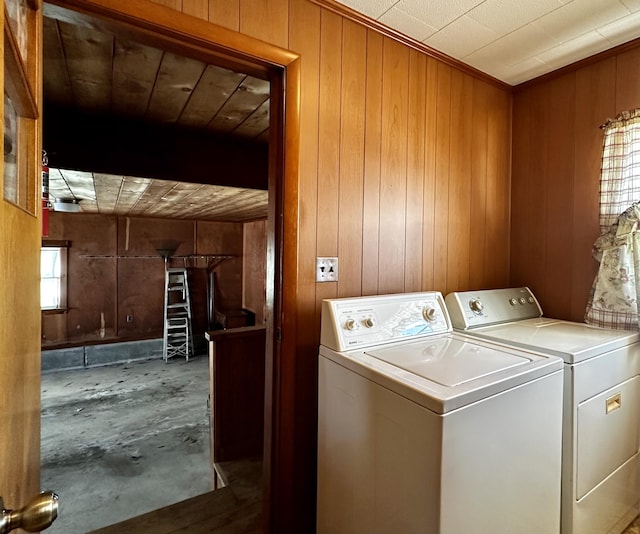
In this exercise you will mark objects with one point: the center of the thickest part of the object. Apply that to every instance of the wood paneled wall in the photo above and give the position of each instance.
(404, 174)
(254, 268)
(556, 166)
(114, 271)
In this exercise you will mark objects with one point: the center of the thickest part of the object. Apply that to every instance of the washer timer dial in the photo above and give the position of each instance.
(350, 324)
(476, 305)
(430, 314)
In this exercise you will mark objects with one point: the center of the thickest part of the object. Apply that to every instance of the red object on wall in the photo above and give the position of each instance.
(45, 195)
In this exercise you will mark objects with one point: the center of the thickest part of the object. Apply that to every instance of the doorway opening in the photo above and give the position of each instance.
(123, 227)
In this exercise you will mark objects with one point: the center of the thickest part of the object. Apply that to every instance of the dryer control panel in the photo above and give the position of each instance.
(471, 309)
(366, 321)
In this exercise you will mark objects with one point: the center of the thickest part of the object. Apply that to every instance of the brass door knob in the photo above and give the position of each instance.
(34, 517)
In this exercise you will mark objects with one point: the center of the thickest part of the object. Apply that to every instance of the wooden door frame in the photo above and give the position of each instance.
(169, 29)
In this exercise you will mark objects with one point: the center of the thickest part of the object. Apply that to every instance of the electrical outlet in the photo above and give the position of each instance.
(326, 269)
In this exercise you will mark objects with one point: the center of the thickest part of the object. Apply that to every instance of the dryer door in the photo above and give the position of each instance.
(607, 433)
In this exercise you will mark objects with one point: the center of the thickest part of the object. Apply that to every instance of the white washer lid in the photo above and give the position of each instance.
(571, 341)
(447, 361)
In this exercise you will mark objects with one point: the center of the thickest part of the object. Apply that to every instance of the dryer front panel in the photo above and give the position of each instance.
(607, 431)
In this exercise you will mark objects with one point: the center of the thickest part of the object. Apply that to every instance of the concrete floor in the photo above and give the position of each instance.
(123, 440)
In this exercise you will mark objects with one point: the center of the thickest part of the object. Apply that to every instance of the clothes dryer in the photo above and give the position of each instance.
(601, 412)
(423, 430)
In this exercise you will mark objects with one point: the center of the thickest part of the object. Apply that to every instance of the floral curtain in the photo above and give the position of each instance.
(614, 298)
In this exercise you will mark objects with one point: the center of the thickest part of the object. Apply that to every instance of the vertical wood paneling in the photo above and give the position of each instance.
(328, 177)
(354, 52)
(415, 172)
(197, 8)
(595, 102)
(628, 80)
(226, 13)
(329, 133)
(529, 199)
(393, 179)
(305, 37)
(479, 185)
(173, 4)
(254, 245)
(567, 112)
(372, 142)
(536, 197)
(521, 178)
(442, 165)
(429, 190)
(459, 215)
(558, 268)
(498, 190)
(266, 19)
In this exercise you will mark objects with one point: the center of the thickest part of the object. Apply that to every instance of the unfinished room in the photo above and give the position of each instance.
(153, 275)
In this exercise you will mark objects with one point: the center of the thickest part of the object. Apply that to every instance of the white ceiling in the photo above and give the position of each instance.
(511, 40)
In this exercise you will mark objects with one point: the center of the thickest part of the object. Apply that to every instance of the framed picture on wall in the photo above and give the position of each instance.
(17, 13)
(10, 157)
(21, 151)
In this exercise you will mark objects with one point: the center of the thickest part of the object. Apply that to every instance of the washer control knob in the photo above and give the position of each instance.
(369, 322)
(429, 313)
(523, 300)
(476, 305)
(513, 301)
(530, 299)
(350, 324)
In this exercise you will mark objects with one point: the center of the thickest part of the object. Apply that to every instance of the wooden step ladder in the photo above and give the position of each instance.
(178, 338)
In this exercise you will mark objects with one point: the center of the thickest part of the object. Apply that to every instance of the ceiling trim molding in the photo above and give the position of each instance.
(378, 27)
(630, 45)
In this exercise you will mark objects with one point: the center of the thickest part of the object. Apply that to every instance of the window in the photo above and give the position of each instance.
(620, 171)
(614, 301)
(53, 277)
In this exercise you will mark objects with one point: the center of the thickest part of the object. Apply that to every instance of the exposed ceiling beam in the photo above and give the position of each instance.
(113, 145)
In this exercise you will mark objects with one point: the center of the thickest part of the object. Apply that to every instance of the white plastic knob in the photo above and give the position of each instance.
(429, 314)
(476, 305)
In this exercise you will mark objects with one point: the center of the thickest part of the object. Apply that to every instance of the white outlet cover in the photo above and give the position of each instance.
(326, 269)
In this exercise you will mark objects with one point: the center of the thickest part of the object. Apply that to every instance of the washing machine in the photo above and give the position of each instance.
(601, 412)
(422, 430)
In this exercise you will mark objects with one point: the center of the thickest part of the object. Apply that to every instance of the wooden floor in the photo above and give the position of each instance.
(233, 509)
(633, 528)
